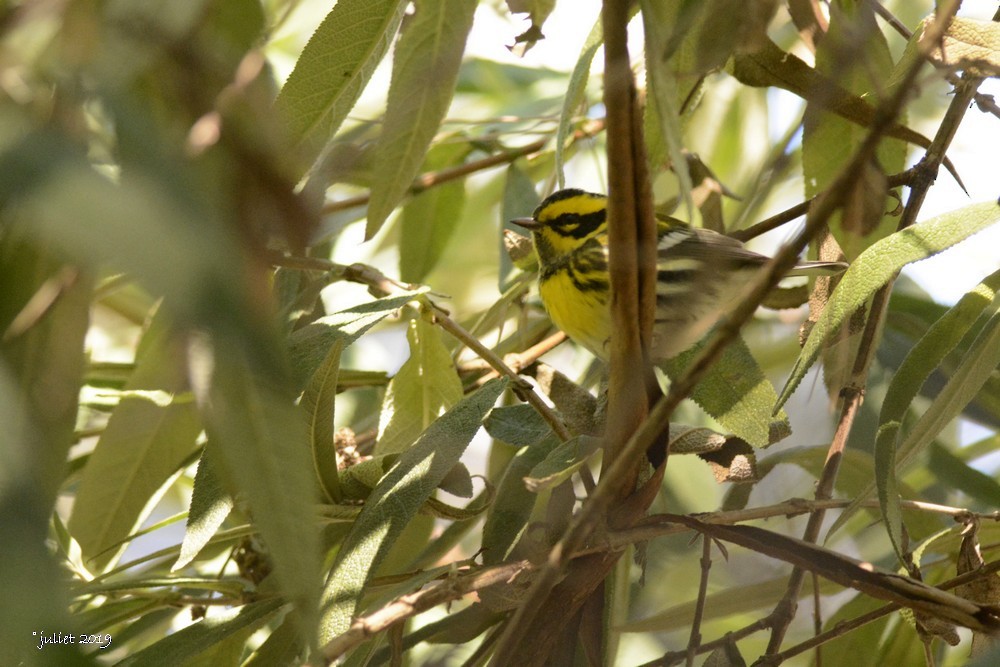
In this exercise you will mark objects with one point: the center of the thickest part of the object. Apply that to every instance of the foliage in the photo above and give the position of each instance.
(188, 336)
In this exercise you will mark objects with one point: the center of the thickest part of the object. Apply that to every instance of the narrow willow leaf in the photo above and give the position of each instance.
(261, 437)
(736, 393)
(961, 476)
(210, 505)
(335, 66)
(576, 91)
(512, 508)
(280, 648)
(395, 501)
(978, 364)
(430, 218)
(664, 96)
(140, 449)
(560, 463)
(878, 264)
(424, 72)
(309, 346)
(830, 141)
(941, 338)
(318, 403)
(186, 644)
(517, 425)
(425, 386)
(358, 480)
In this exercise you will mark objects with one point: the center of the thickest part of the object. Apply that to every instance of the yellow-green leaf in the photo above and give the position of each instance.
(424, 71)
(425, 386)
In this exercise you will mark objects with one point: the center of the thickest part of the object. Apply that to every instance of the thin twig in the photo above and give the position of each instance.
(408, 606)
(434, 178)
(699, 609)
(800, 209)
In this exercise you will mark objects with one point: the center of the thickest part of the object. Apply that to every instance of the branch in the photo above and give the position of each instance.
(434, 178)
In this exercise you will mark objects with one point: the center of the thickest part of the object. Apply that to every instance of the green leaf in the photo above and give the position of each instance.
(140, 449)
(879, 264)
(309, 346)
(829, 141)
(741, 599)
(280, 648)
(978, 364)
(396, 500)
(425, 386)
(576, 92)
(358, 480)
(430, 218)
(193, 640)
(736, 393)
(517, 425)
(336, 65)
(318, 403)
(512, 508)
(941, 338)
(961, 476)
(663, 110)
(424, 71)
(560, 463)
(210, 505)
(771, 66)
(261, 437)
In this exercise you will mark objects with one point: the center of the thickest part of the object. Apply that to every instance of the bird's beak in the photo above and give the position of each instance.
(527, 223)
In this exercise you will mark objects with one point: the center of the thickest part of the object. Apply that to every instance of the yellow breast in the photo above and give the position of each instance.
(585, 316)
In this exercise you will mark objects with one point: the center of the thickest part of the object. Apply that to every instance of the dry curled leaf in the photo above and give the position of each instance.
(970, 45)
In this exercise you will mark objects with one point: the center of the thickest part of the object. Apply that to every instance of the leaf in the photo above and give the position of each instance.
(738, 599)
(517, 425)
(941, 338)
(261, 438)
(310, 345)
(142, 446)
(879, 264)
(336, 65)
(424, 71)
(736, 393)
(576, 92)
(395, 501)
(210, 505)
(663, 67)
(188, 643)
(771, 66)
(968, 44)
(318, 403)
(512, 508)
(425, 386)
(852, 573)
(560, 463)
(280, 648)
(430, 218)
(960, 476)
(829, 141)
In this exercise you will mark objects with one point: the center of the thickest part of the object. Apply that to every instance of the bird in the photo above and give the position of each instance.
(699, 274)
